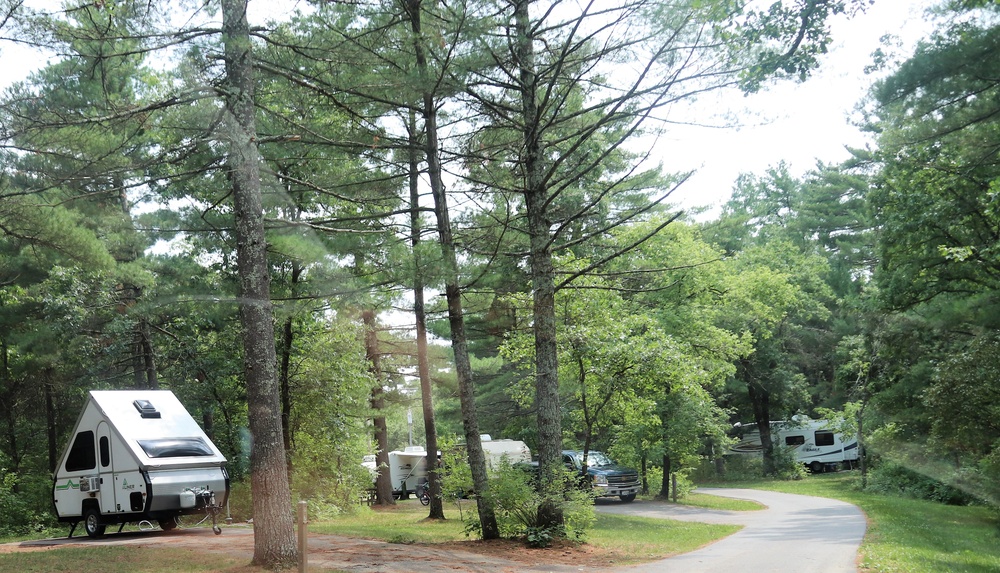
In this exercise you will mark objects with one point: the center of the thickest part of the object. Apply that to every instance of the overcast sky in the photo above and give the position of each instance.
(797, 123)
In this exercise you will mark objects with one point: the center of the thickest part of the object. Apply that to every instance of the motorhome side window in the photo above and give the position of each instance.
(175, 447)
(795, 440)
(824, 438)
(82, 455)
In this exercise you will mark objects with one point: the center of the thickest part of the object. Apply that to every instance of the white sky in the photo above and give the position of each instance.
(797, 123)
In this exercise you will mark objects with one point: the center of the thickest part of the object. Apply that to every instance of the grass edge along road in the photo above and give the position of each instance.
(907, 535)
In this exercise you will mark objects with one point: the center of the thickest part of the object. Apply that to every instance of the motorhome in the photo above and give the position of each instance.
(137, 455)
(812, 442)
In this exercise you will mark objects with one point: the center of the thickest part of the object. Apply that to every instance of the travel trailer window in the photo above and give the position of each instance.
(175, 447)
(105, 452)
(82, 455)
(824, 438)
(795, 440)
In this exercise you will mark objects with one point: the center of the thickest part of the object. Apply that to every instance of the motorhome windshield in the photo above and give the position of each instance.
(175, 447)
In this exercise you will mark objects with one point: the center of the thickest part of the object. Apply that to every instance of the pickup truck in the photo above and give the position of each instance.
(607, 478)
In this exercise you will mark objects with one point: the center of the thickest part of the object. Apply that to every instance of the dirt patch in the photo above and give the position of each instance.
(363, 555)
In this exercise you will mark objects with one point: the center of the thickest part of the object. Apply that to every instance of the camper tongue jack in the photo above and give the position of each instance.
(138, 456)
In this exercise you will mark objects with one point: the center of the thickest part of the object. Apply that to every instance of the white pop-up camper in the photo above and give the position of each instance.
(811, 441)
(137, 455)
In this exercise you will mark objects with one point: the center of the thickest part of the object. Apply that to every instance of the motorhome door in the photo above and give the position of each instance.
(105, 468)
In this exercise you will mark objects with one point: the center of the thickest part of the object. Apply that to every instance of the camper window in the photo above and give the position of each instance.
(175, 447)
(82, 455)
(795, 440)
(824, 438)
(105, 452)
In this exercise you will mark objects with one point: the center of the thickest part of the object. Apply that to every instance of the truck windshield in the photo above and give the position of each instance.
(598, 459)
(175, 447)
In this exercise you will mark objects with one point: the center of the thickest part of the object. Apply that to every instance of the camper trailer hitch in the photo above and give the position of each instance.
(206, 500)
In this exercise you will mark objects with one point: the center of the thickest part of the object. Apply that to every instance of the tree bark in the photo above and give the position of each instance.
(423, 368)
(383, 482)
(760, 401)
(453, 292)
(274, 539)
(547, 407)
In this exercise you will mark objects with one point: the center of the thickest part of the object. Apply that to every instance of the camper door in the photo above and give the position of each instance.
(105, 468)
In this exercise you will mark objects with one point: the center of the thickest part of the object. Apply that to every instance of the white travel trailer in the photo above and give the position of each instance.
(513, 451)
(813, 444)
(407, 470)
(137, 455)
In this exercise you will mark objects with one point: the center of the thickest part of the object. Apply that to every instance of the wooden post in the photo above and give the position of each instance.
(303, 538)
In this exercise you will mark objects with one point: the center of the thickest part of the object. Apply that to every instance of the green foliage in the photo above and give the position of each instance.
(891, 478)
(21, 503)
(517, 499)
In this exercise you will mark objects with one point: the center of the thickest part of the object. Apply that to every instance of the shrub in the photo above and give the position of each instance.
(895, 479)
(21, 501)
(516, 501)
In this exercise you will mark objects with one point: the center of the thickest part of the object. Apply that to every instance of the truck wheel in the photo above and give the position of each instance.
(92, 523)
(627, 498)
(168, 524)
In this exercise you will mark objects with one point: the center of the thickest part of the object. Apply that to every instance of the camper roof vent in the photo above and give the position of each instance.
(146, 409)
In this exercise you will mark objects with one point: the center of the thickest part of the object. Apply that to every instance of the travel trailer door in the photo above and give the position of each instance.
(105, 468)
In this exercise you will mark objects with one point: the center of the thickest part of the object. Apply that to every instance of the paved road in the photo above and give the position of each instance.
(794, 534)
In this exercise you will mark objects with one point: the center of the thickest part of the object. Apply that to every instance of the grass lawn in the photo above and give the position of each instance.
(121, 559)
(907, 535)
(622, 539)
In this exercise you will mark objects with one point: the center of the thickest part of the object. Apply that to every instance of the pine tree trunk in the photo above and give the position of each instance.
(547, 407)
(423, 368)
(274, 538)
(453, 294)
(383, 483)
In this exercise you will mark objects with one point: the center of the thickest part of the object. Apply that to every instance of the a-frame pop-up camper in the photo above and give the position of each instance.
(137, 455)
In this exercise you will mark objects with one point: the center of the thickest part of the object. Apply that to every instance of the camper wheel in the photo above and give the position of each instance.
(92, 522)
(816, 467)
(168, 524)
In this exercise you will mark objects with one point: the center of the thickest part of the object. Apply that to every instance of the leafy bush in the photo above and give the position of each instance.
(516, 501)
(895, 479)
(786, 467)
(21, 502)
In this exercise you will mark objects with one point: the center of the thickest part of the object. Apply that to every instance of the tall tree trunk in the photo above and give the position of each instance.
(667, 470)
(50, 420)
(148, 360)
(760, 401)
(383, 483)
(274, 527)
(284, 369)
(453, 293)
(547, 407)
(423, 368)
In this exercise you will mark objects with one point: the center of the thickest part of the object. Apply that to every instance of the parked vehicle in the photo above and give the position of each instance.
(407, 470)
(811, 441)
(137, 455)
(607, 478)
